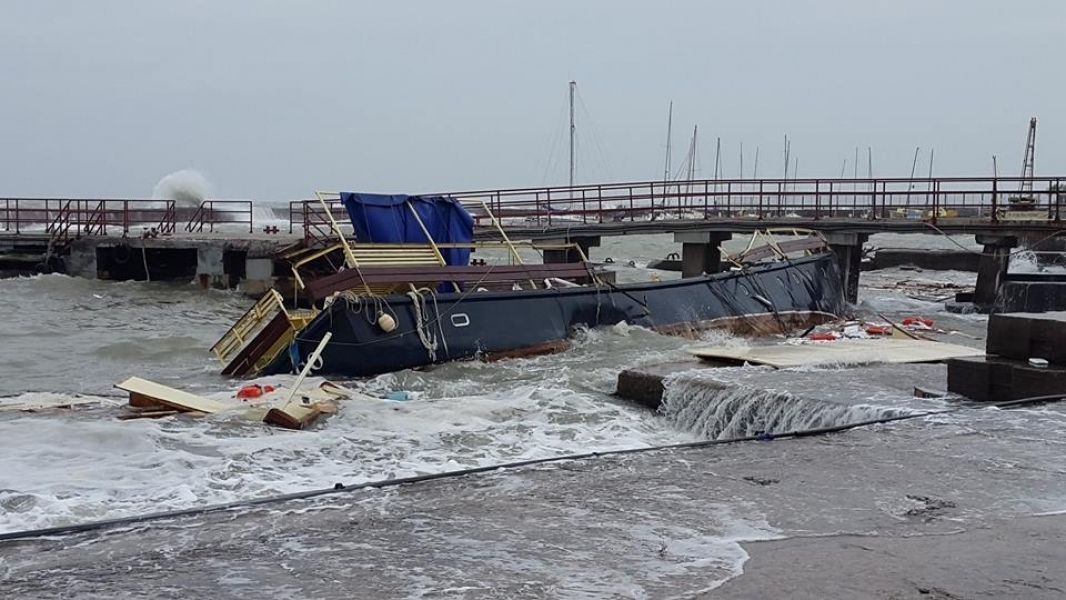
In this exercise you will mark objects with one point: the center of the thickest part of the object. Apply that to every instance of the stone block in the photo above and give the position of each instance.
(1030, 382)
(983, 379)
(1008, 336)
(1023, 336)
(641, 387)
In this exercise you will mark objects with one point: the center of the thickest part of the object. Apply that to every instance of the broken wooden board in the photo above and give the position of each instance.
(296, 415)
(47, 403)
(146, 393)
(857, 351)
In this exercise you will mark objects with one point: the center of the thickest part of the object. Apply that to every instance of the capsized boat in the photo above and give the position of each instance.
(409, 297)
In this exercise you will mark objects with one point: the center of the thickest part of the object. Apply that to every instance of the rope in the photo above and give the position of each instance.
(1011, 253)
(352, 297)
(144, 259)
(340, 488)
(425, 335)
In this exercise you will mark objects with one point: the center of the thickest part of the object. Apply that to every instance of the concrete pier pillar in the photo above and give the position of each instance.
(993, 266)
(701, 251)
(258, 276)
(81, 262)
(210, 269)
(848, 249)
(567, 255)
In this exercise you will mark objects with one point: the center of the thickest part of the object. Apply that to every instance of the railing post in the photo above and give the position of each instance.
(728, 197)
(549, 201)
(758, 213)
(936, 203)
(306, 220)
(1059, 197)
(599, 202)
(873, 200)
(995, 199)
(817, 199)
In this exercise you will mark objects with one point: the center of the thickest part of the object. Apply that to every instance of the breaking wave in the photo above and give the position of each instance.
(715, 410)
(187, 187)
(1028, 261)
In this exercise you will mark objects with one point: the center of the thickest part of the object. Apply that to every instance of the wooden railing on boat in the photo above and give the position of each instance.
(381, 276)
(259, 335)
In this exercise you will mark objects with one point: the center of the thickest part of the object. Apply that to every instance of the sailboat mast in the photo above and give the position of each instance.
(573, 86)
(692, 154)
(669, 128)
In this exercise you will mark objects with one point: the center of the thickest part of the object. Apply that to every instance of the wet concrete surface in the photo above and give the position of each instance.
(944, 504)
(1009, 558)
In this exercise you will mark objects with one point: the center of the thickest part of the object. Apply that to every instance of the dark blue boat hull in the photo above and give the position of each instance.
(442, 327)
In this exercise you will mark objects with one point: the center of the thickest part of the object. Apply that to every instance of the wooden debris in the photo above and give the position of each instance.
(149, 393)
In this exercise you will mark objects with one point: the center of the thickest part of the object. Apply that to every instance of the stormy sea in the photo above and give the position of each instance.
(663, 524)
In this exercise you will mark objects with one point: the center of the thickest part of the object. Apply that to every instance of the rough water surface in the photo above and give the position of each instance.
(652, 525)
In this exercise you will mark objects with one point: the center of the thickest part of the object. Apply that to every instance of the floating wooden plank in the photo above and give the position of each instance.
(150, 392)
(8, 404)
(148, 414)
(857, 351)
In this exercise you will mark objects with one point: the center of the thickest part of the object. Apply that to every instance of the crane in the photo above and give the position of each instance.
(1026, 191)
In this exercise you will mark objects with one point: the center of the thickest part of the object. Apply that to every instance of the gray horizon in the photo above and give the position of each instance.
(273, 99)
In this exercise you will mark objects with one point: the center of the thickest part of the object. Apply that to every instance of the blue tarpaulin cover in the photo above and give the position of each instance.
(387, 219)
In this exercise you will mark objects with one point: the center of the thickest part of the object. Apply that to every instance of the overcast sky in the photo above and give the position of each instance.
(272, 99)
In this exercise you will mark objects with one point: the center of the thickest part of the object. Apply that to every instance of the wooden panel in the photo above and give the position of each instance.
(842, 351)
(168, 396)
(245, 360)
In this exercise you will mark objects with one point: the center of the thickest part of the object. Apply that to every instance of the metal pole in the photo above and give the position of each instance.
(573, 86)
(669, 128)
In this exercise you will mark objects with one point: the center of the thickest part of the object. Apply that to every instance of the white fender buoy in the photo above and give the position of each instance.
(386, 322)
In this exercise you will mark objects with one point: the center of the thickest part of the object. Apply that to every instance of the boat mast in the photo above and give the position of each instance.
(573, 86)
(692, 154)
(669, 128)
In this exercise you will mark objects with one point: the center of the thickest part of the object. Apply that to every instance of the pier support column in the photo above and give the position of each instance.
(82, 260)
(993, 266)
(567, 255)
(700, 251)
(210, 269)
(848, 249)
(258, 276)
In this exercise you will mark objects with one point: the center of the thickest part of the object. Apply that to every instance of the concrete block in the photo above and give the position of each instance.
(1023, 336)
(983, 379)
(1008, 336)
(1029, 382)
(1030, 295)
(641, 387)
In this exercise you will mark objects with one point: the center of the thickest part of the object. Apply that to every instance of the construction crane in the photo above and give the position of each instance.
(1025, 190)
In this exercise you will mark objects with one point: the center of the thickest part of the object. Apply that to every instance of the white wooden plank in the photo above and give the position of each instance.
(171, 397)
(857, 351)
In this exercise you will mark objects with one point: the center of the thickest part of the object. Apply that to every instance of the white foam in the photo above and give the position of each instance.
(72, 470)
(188, 187)
(1026, 261)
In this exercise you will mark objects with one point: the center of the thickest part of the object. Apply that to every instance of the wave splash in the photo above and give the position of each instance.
(187, 187)
(715, 410)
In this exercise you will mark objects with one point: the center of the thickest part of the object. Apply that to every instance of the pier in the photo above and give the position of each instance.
(218, 243)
